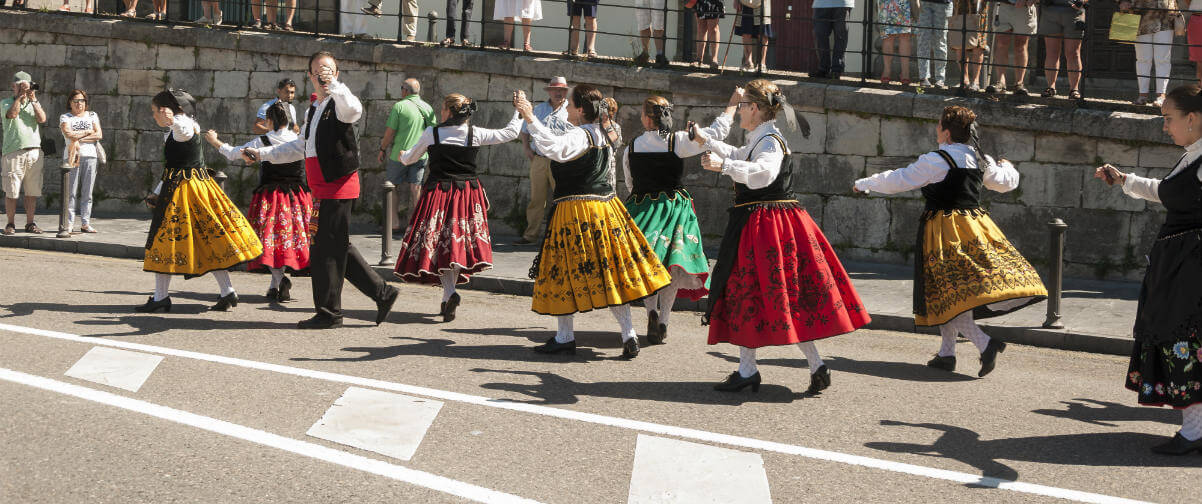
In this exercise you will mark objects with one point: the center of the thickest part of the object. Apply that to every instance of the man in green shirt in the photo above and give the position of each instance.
(21, 165)
(407, 120)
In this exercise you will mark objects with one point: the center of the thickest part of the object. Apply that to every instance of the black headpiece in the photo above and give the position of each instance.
(663, 118)
(794, 121)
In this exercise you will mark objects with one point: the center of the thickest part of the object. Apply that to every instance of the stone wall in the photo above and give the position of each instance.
(856, 132)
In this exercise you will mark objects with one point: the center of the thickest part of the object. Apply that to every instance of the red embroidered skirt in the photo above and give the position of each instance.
(785, 286)
(448, 228)
(280, 217)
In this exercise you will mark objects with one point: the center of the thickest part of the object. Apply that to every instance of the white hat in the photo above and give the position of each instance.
(557, 83)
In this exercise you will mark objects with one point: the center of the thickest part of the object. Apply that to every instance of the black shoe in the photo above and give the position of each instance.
(661, 61)
(319, 322)
(285, 293)
(989, 356)
(553, 347)
(273, 294)
(630, 349)
(384, 306)
(947, 363)
(736, 382)
(642, 59)
(991, 89)
(226, 302)
(448, 308)
(522, 241)
(152, 306)
(654, 337)
(819, 380)
(1178, 446)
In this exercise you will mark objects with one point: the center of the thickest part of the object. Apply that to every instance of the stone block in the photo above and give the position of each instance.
(86, 56)
(903, 226)
(199, 83)
(19, 54)
(813, 205)
(263, 84)
(1015, 145)
(711, 203)
(215, 59)
(113, 110)
(140, 115)
(293, 63)
(225, 114)
(1065, 149)
(1049, 185)
(871, 255)
(140, 82)
(1118, 153)
(126, 54)
(875, 165)
(804, 96)
(177, 58)
(815, 144)
(367, 85)
(488, 62)
(231, 84)
(1119, 125)
(1096, 236)
(467, 83)
(826, 173)
(509, 160)
(1025, 227)
(375, 116)
(852, 134)
(149, 146)
(11, 35)
(1145, 227)
(859, 222)
(37, 37)
(1159, 156)
(56, 81)
(501, 87)
(890, 102)
(51, 55)
(258, 62)
(507, 210)
(1096, 194)
(78, 40)
(907, 137)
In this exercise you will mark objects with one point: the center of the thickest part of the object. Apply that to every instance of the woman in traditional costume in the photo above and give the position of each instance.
(196, 229)
(593, 255)
(662, 208)
(281, 206)
(448, 240)
(777, 280)
(964, 267)
(1165, 368)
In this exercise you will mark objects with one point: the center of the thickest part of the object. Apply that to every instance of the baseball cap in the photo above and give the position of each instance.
(22, 77)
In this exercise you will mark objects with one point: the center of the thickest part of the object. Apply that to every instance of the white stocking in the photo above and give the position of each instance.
(812, 357)
(965, 325)
(161, 282)
(277, 277)
(948, 333)
(667, 298)
(651, 303)
(622, 313)
(1191, 422)
(448, 279)
(223, 281)
(564, 333)
(747, 362)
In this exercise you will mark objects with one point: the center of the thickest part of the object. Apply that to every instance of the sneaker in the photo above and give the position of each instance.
(940, 84)
(925, 83)
(661, 61)
(642, 59)
(1020, 91)
(202, 20)
(257, 24)
(373, 10)
(217, 20)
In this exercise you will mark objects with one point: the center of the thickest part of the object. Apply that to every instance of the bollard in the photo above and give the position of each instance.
(220, 177)
(432, 19)
(64, 229)
(389, 215)
(1056, 229)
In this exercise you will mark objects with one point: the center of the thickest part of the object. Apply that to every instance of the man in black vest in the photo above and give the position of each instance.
(330, 149)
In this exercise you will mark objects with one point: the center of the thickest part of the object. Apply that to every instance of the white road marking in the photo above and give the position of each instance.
(382, 422)
(673, 471)
(623, 423)
(305, 448)
(115, 368)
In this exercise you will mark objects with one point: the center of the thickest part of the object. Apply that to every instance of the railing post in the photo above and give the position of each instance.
(64, 228)
(432, 18)
(220, 177)
(1056, 230)
(866, 51)
(389, 215)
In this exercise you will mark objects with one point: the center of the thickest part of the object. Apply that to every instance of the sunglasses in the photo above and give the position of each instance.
(79, 100)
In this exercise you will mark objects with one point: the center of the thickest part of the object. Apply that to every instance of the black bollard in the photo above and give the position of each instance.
(220, 177)
(389, 215)
(64, 229)
(1056, 230)
(432, 19)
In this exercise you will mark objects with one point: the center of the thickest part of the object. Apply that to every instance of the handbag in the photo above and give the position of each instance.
(49, 147)
(1124, 27)
(101, 156)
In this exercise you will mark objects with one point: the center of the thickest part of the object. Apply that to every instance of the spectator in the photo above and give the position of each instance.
(131, 8)
(289, 11)
(210, 12)
(708, 35)
(66, 6)
(465, 17)
(1016, 23)
(409, 12)
(830, 18)
(81, 134)
(553, 114)
(512, 10)
(1062, 25)
(588, 10)
(1194, 37)
(1157, 21)
(285, 92)
(968, 30)
(160, 12)
(407, 120)
(755, 23)
(932, 38)
(649, 18)
(896, 32)
(22, 151)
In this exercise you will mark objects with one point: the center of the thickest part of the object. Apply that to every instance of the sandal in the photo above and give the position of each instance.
(591, 54)
(10, 229)
(448, 42)
(1048, 93)
(904, 82)
(1141, 100)
(528, 48)
(87, 229)
(1074, 94)
(33, 228)
(288, 27)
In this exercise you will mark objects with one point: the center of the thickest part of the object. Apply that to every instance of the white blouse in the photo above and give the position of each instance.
(567, 146)
(651, 141)
(349, 110)
(931, 168)
(183, 129)
(277, 137)
(457, 135)
(1148, 188)
(765, 159)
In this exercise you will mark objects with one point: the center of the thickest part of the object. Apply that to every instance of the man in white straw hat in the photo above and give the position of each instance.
(553, 113)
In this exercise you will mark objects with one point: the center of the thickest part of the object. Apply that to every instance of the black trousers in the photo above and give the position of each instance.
(827, 22)
(465, 18)
(332, 258)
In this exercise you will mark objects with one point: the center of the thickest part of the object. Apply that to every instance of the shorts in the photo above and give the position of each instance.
(1061, 21)
(973, 36)
(749, 23)
(22, 168)
(582, 9)
(1193, 36)
(398, 173)
(1019, 20)
(649, 14)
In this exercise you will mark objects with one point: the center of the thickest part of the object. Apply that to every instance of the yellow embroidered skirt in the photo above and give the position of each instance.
(197, 229)
(594, 257)
(966, 264)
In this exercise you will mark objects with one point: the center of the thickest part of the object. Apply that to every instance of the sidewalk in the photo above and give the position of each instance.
(1097, 315)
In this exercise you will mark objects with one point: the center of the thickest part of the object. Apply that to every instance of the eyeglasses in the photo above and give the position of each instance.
(79, 100)
(744, 103)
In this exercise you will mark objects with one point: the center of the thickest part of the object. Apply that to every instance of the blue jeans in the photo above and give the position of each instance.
(82, 179)
(828, 21)
(932, 36)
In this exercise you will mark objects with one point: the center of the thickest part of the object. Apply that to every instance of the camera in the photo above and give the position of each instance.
(33, 86)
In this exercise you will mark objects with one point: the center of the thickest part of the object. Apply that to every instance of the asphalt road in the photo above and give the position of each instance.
(226, 415)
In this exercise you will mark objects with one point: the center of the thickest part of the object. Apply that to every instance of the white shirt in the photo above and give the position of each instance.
(651, 141)
(262, 114)
(1148, 188)
(277, 137)
(88, 121)
(183, 129)
(457, 135)
(555, 119)
(349, 110)
(565, 147)
(931, 168)
(765, 157)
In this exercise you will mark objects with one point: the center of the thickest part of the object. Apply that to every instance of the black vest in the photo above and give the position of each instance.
(584, 175)
(452, 163)
(287, 174)
(1181, 194)
(656, 172)
(182, 155)
(779, 189)
(959, 190)
(336, 142)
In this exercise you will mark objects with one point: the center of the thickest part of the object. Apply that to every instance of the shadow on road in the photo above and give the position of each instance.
(1105, 412)
(554, 389)
(908, 371)
(447, 348)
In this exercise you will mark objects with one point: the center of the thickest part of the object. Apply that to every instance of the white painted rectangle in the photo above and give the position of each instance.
(382, 422)
(672, 471)
(116, 368)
